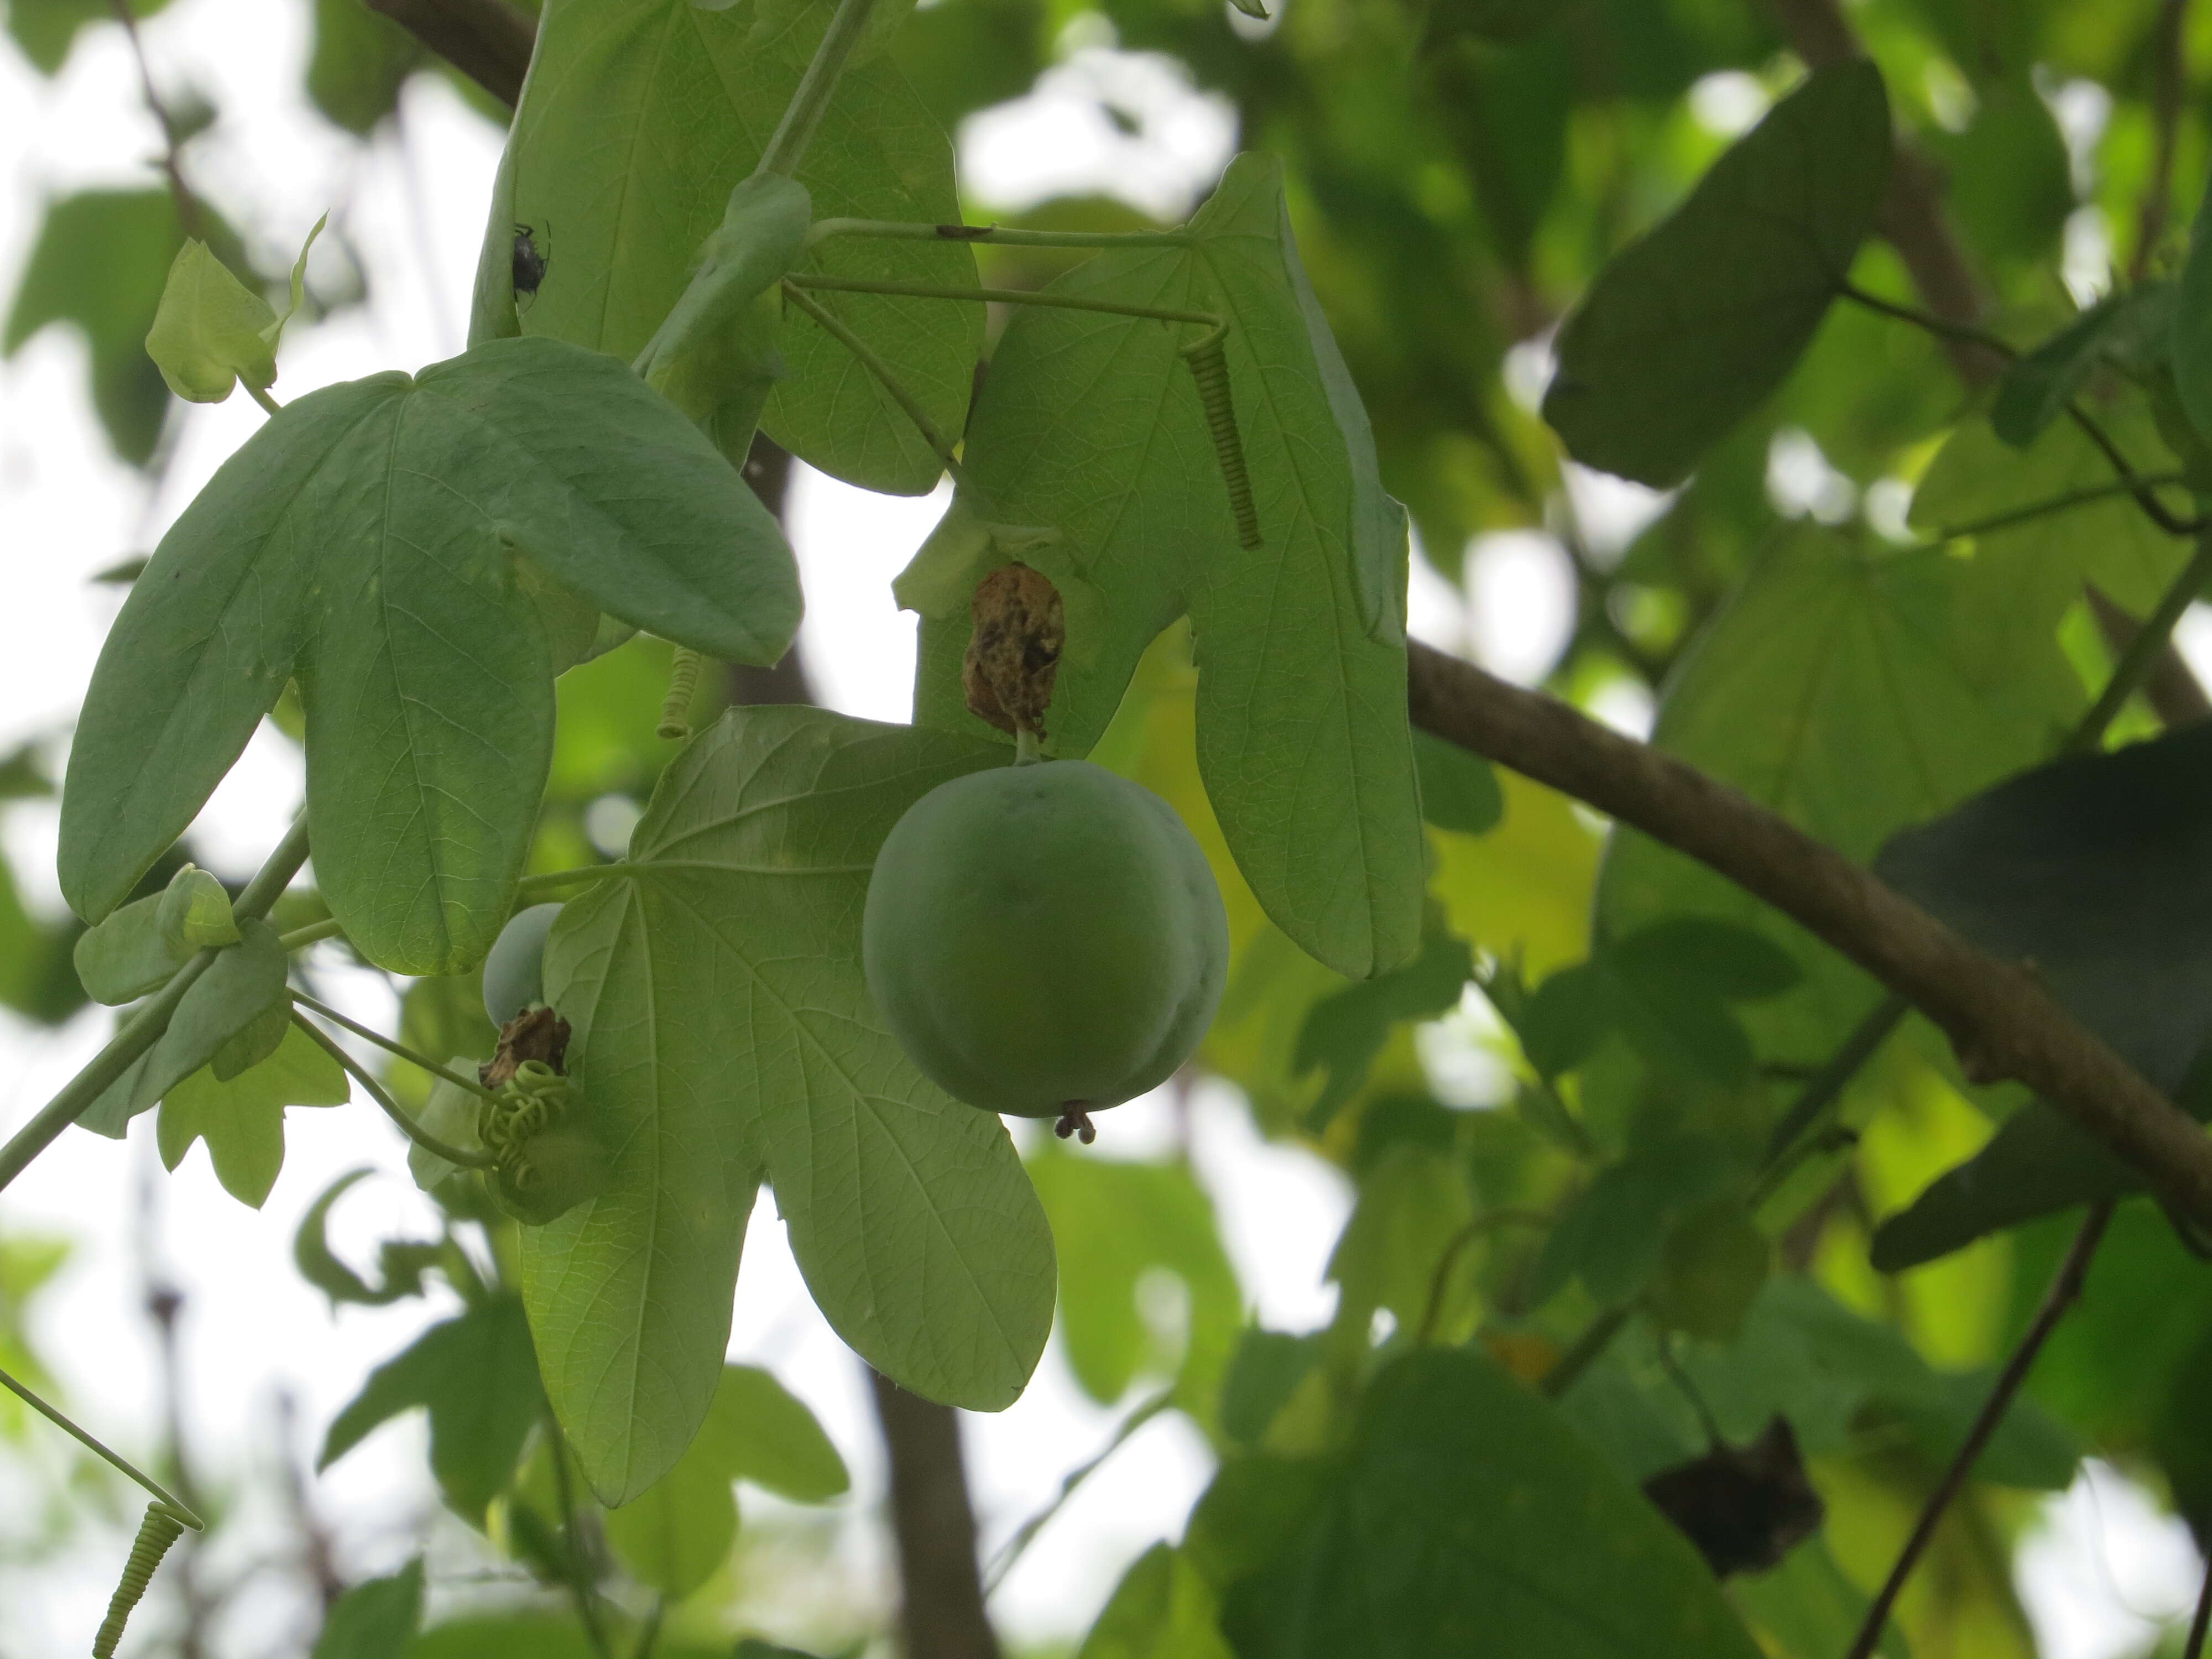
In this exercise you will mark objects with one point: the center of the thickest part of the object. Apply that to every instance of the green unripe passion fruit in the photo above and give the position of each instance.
(1044, 940)
(514, 972)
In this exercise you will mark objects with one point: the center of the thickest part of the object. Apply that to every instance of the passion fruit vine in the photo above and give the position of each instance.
(1044, 940)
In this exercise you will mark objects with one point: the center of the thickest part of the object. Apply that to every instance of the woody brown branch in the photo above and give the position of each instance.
(2001, 1021)
(488, 40)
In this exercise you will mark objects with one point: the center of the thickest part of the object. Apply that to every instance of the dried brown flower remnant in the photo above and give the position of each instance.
(1013, 655)
(534, 1034)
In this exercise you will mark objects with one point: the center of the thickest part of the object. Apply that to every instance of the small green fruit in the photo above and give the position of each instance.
(1044, 940)
(514, 972)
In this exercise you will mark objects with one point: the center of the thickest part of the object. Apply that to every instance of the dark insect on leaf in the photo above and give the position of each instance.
(529, 261)
(1744, 1507)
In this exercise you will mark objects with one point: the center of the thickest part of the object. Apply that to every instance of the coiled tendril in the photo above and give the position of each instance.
(683, 685)
(162, 1528)
(530, 1103)
(1209, 366)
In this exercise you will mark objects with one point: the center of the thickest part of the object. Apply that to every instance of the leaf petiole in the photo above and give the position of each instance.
(267, 403)
(1012, 296)
(391, 1109)
(389, 1045)
(876, 365)
(899, 231)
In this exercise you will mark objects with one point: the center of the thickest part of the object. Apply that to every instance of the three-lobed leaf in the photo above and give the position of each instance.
(242, 1118)
(677, 1532)
(364, 541)
(1089, 453)
(478, 1376)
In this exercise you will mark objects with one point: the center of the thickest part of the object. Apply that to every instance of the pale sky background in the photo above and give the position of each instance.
(2101, 1574)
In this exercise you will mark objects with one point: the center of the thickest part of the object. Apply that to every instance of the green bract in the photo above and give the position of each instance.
(1044, 938)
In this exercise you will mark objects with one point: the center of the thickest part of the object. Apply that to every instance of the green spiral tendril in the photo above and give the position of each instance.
(162, 1528)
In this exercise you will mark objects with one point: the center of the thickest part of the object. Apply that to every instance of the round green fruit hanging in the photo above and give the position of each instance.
(1044, 940)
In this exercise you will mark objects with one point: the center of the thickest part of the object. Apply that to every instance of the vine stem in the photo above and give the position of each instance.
(882, 371)
(2136, 485)
(897, 230)
(579, 1576)
(786, 146)
(184, 1510)
(2072, 498)
(188, 206)
(1012, 296)
(2194, 1647)
(391, 1046)
(144, 1029)
(2065, 1289)
(1943, 327)
(391, 1109)
(1440, 1278)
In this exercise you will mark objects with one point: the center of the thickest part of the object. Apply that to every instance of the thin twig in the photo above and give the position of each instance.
(2063, 502)
(2139, 486)
(1440, 1278)
(488, 40)
(2065, 1288)
(184, 1510)
(2194, 1647)
(1025, 1535)
(188, 206)
(391, 1109)
(1597, 1336)
(1943, 327)
(2168, 77)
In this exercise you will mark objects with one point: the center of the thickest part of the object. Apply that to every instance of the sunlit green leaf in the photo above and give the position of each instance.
(1114, 1223)
(211, 332)
(329, 547)
(1161, 1609)
(242, 1120)
(478, 1376)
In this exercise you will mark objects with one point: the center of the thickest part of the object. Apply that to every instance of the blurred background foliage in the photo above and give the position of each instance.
(1563, 1110)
